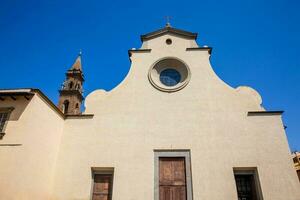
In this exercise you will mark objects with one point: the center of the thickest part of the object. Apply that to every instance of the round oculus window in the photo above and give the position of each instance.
(168, 41)
(170, 77)
(169, 74)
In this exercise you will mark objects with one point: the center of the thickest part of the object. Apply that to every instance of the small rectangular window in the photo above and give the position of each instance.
(102, 183)
(247, 184)
(3, 119)
(4, 116)
(295, 159)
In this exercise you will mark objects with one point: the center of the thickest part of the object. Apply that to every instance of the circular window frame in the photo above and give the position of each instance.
(182, 68)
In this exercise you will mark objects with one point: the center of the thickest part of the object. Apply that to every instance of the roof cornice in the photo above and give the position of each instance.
(171, 30)
(32, 91)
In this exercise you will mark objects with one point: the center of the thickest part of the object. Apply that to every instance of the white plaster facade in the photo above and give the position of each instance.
(206, 116)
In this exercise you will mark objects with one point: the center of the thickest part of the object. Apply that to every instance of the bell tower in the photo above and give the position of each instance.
(71, 92)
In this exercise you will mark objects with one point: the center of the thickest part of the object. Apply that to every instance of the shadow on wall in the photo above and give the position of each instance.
(18, 104)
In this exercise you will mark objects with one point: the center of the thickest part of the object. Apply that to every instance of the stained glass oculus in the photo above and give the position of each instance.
(170, 77)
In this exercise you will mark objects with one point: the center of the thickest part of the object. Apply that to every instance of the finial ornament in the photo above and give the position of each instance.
(80, 52)
(168, 24)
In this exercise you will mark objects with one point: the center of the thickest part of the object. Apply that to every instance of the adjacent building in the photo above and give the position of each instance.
(296, 159)
(161, 134)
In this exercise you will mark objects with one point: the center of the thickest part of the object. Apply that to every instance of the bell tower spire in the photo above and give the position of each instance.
(71, 92)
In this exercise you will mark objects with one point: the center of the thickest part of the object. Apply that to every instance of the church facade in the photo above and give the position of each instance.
(171, 130)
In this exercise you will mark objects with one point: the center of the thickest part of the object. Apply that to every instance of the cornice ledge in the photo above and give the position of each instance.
(130, 51)
(209, 49)
(264, 113)
(80, 116)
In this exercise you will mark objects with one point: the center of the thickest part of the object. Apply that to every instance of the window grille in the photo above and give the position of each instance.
(3, 119)
(4, 116)
(247, 184)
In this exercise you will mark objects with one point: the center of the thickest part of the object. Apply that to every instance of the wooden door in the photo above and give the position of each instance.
(172, 181)
(102, 187)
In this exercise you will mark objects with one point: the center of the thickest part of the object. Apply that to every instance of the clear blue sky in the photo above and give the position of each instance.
(255, 43)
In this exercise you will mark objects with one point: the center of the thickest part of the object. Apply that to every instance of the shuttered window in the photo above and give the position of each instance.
(102, 183)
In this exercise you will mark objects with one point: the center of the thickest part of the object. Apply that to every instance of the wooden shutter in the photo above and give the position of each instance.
(102, 187)
(172, 179)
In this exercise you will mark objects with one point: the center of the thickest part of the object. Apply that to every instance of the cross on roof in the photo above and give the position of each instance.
(168, 24)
